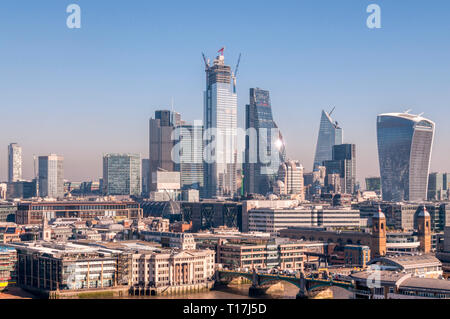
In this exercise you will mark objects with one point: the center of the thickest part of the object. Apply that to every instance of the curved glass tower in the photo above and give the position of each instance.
(260, 175)
(404, 150)
(330, 134)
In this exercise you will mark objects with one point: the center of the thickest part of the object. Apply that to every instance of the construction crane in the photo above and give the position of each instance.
(332, 111)
(235, 73)
(237, 65)
(206, 61)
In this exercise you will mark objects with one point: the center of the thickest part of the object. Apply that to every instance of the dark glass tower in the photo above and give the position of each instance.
(404, 150)
(344, 164)
(161, 143)
(260, 175)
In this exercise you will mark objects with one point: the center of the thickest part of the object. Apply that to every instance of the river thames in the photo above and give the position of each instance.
(241, 292)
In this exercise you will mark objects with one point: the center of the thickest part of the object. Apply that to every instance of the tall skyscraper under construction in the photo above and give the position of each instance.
(220, 124)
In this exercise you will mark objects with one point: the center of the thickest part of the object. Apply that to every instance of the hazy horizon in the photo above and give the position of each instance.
(82, 93)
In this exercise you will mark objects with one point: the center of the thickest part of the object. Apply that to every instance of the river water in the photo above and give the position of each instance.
(241, 292)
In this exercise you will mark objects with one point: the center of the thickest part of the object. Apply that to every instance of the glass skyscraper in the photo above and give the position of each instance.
(344, 164)
(330, 134)
(14, 163)
(122, 174)
(189, 144)
(220, 123)
(160, 142)
(51, 176)
(260, 176)
(404, 150)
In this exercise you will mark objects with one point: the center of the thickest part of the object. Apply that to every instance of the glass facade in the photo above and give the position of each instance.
(404, 151)
(344, 164)
(122, 174)
(330, 134)
(14, 163)
(51, 176)
(220, 122)
(189, 139)
(259, 176)
(161, 143)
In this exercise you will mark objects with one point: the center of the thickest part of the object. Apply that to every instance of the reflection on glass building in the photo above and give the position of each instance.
(261, 172)
(330, 134)
(122, 174)
(404, 150)
(220, 115)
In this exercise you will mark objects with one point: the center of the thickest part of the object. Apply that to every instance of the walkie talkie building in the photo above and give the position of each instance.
(404, 149)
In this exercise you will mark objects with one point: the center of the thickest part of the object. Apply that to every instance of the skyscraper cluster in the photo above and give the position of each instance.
(207, 155)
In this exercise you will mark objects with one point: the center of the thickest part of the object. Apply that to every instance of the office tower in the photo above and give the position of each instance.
(404, 151)
(265, 151)
(344, 164)
(51, 176)
(330, 134)
(14, 163)
(145, 177)
(346, 153)
(290, 179)
(373, 184)
(437, 186)
(161, 143)
(189, 144)
(220, 123)
(122, 174)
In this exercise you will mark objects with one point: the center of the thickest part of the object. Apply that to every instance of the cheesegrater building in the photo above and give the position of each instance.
(330, 134)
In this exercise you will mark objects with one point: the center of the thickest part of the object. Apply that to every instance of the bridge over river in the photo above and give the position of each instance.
(261, 282)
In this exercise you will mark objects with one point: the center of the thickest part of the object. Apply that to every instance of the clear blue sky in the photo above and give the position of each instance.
(80, 93)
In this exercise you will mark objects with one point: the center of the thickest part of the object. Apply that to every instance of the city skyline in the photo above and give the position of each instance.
(413, 83)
